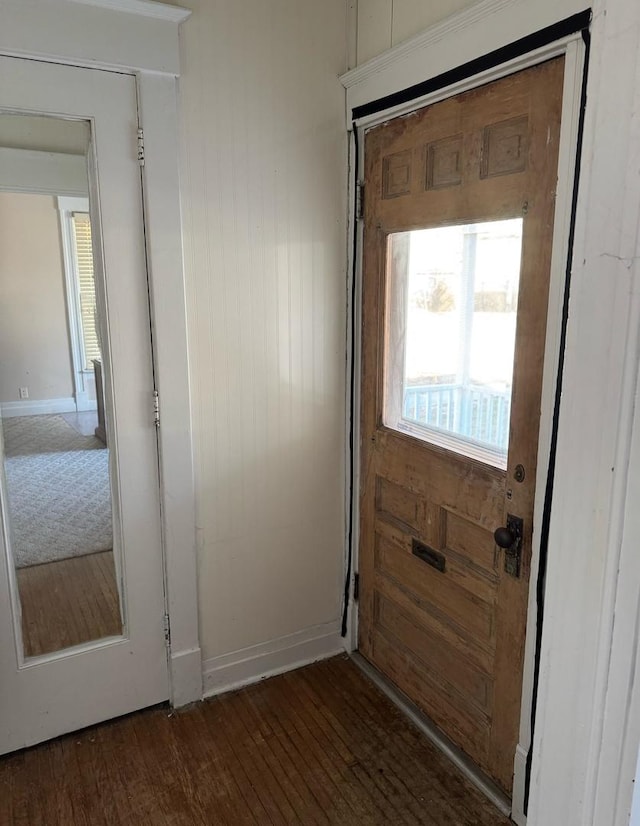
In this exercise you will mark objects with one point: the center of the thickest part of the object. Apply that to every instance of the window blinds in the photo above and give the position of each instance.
(86, 284)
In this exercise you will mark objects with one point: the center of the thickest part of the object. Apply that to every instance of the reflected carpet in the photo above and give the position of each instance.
(58, 490)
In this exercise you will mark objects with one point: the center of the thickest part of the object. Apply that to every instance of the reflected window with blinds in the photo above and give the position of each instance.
(80, 293)
(83, 256)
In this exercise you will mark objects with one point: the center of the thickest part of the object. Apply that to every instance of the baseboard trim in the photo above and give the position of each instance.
(37, 407)
(520, 774)
(249, 665)
(457, 757)
(86, 406)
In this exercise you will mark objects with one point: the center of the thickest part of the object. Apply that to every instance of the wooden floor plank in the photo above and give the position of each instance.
(250, 794)
(94, 765)
(338, 738)
(303, 799)
(236, 793)
(13, 804)
(408, 742)
(161, 781)
(319, 780)
(335, 761)
(310, 809)
(130, 787)
(271, 782)
(422, 787)
(68, 602)
(320, 745)
(380, 753)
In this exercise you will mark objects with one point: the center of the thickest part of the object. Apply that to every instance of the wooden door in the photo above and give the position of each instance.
(42, 696)
(459, 206)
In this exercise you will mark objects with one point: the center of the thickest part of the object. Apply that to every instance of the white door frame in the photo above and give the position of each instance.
(140, 37)
(587, 686)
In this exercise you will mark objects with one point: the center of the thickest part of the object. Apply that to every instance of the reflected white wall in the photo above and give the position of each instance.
(34, 338)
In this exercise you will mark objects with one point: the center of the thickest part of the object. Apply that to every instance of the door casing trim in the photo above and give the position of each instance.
(121, 37)
(572, 48)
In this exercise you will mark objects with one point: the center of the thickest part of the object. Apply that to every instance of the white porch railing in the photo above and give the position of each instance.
(474, 411)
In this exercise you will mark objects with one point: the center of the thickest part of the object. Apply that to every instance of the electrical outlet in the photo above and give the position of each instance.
(24, 392)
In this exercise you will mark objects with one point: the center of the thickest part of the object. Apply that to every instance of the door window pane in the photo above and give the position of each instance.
(452, 295)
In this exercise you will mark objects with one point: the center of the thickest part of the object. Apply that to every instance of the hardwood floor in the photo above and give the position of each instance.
(68, 602)
(316, 746)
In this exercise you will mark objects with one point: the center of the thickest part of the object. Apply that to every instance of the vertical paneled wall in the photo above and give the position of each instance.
(385, 23)
(264, 205)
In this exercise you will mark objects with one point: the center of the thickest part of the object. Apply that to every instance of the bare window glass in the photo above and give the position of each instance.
(452, 295)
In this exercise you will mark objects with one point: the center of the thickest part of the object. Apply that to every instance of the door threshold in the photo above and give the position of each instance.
(439, 740)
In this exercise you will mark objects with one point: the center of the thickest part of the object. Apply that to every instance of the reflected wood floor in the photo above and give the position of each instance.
(68, 602)
(320, 745)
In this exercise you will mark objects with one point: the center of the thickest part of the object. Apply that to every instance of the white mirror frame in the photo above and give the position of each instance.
(140, 37)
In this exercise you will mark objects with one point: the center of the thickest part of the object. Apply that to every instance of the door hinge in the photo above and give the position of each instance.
(156, 408)
(140, 147)
(359, 201)
(356, 587)
(167, 629)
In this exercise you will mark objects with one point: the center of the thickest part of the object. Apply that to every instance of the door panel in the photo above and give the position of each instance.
(449, 438)
(75, 686)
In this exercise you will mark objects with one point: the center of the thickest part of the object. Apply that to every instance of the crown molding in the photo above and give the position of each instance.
(447, 27)
(142, 8)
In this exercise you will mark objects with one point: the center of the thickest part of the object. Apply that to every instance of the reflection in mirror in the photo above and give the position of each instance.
(55, 480)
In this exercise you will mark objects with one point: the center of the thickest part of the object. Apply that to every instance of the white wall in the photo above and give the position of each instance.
(34, 342)
(264, 193)
(382, 24)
